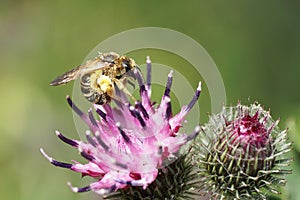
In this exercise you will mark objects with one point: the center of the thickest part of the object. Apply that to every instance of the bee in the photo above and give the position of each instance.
(100, 77)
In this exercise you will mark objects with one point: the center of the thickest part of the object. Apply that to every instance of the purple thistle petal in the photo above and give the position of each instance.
(122, 132)
(148, 80)
(169, 109)
(74, 107)
(55, 162)
(142, 109)
(73, 143)
(137, 115)
(81, 114)
(169, 84)
(101, 143)
(195, 98)
(92, 119)
(102, 114)
(194, 134)
(87, 156)
(79, 190)
(90, 139)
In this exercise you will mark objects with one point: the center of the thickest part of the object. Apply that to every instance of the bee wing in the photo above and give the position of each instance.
(67, 77)
(75, 73)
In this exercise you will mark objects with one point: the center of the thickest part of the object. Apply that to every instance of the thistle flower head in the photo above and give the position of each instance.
(241, 154)
(129, 144)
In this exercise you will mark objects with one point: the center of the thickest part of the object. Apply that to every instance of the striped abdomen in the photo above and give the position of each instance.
(90, 93)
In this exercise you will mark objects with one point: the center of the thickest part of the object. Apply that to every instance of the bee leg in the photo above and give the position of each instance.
(131, 83)
(119, 98)
(121, 86)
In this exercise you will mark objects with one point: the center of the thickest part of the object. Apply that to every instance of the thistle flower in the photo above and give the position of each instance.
(240, 154)
(130, 144)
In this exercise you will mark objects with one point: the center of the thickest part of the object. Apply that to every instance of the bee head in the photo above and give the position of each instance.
(128, 64)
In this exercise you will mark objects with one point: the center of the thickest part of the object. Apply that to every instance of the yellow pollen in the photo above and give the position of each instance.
(105, 83)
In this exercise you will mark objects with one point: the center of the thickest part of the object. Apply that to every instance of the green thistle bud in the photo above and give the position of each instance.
(240, 154)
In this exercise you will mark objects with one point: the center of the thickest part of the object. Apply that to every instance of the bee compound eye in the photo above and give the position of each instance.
(126, 65)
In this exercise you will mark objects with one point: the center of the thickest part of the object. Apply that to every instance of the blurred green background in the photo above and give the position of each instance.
(256, 46)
